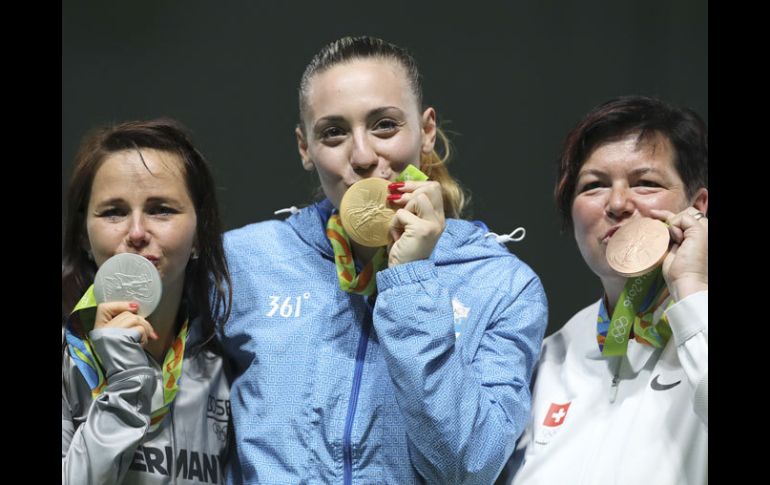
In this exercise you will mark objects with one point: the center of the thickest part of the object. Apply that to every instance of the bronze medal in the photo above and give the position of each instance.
(638, 247)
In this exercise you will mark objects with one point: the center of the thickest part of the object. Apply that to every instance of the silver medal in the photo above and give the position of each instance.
(129, 277)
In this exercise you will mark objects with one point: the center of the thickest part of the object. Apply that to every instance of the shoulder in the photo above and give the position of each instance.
(254, 234)
(466, 245)
(579, 331)
(256, 244)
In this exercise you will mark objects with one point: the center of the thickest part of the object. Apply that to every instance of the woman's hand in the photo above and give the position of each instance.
(686, 267)
(418, 224)
(122, 314)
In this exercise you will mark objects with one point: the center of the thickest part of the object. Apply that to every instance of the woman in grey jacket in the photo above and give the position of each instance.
(144, 400)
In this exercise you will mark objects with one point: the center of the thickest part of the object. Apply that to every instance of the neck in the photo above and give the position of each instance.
(163, 321)
(613, 287)
(362, 254)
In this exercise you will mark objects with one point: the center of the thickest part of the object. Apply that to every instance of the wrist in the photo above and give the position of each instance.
(683, 288)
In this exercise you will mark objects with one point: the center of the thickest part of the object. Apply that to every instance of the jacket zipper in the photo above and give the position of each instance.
(363, 340)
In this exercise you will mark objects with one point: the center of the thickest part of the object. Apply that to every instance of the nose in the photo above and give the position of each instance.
(620, 203)
(137, 231)
(363, 157)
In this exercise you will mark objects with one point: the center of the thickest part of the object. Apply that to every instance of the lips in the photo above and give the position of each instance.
(610, 233)
(352, 182)
(153, 259)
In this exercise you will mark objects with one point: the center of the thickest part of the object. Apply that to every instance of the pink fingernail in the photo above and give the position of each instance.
(133, 306)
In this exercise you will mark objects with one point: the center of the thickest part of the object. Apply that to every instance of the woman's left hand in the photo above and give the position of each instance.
(418, 224)
(686, 267)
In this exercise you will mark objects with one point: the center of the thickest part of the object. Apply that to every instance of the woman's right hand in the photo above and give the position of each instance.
(122, 314)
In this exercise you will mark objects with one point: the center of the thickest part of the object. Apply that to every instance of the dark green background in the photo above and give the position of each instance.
(508, 80)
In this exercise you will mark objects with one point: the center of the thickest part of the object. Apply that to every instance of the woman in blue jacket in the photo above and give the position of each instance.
(412, 363)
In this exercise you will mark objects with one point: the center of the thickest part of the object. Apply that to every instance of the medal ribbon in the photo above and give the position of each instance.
(363, 283)
(635, 309)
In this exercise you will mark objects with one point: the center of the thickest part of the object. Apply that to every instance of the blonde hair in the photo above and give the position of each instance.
(434, 166)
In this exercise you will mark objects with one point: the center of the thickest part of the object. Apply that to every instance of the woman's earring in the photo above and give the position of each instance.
(194, 254)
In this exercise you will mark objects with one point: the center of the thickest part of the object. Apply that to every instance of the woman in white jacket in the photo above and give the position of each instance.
(639, 415)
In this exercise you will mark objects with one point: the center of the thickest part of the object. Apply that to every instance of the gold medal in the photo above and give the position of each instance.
(365, 213)
(638, 247)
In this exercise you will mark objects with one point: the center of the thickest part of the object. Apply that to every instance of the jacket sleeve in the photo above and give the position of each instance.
(689, 320)
(462, 418)
(100, 449)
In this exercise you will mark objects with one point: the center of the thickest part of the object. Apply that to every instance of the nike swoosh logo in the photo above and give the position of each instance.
(662, 387)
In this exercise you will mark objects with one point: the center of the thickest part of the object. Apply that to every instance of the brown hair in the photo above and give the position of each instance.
(207, 276)
(647, 116)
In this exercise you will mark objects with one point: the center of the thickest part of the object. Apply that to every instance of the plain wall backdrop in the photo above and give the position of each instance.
(508, 80)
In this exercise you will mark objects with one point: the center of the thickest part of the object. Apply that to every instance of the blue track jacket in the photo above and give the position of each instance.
(427, 383)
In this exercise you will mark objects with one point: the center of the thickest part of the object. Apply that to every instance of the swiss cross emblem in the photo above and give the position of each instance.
(556, 414)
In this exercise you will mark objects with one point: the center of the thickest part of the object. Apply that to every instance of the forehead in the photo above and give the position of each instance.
(358, 83)
(629, 151)
(127, 170)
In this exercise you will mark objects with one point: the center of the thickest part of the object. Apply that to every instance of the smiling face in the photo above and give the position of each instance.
(145, 210)
(362, 120)
(623, 179)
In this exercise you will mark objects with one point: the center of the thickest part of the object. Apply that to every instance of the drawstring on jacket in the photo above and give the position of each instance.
(506, 238)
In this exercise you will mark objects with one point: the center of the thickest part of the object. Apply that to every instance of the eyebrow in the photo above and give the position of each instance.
(112, 201)
(163, 200)
(150, 200)
(599, 173)
(334, 119)
(380, 111)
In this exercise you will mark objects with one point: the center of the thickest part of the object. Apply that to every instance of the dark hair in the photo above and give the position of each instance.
(347, 49)
(206, 277)
(625, 115)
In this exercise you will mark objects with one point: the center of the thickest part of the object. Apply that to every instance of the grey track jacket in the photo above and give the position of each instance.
(109, 440)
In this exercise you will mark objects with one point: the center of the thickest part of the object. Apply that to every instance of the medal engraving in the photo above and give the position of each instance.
(365, 213)
(638, 247)
(129, 277)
